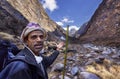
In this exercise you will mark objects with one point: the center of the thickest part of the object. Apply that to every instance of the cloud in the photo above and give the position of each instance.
(75, 27)
(66, 20)
(63, 21)
(49, 4)
(60, 23)
(71, 27)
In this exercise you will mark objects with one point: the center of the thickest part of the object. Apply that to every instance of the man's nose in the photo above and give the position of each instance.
(39, 39)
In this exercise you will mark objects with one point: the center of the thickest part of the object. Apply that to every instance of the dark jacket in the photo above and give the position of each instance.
(28, 67)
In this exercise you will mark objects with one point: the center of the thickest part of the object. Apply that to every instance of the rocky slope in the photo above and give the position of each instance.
(17, 13)
(11, 21)
(104, 26)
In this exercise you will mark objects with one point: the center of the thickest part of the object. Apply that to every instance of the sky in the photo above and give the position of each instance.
(70, 12)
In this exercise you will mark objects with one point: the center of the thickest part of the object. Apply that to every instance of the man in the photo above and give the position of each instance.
(30, 64)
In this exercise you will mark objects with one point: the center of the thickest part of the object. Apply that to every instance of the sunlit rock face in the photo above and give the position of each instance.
(11, 21)
(104, 26)
(17, 13)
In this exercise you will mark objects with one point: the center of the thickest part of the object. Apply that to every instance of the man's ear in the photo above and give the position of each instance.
(25, 41)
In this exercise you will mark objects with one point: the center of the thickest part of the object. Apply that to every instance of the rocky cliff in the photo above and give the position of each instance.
(104, 26)
(11, 21)
(17, 13)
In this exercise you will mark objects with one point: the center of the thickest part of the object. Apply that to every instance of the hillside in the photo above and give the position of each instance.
(16, 14)
(104, 26)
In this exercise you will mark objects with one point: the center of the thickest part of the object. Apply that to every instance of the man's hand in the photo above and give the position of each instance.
(60, 45)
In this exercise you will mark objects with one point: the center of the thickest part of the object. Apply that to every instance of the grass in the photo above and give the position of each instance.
(105, 71)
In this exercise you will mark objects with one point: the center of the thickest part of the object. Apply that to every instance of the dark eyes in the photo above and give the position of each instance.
(35, 37)
(41, 36)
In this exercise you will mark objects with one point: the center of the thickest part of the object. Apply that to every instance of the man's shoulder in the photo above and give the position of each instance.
(14, 67)
(18, 64)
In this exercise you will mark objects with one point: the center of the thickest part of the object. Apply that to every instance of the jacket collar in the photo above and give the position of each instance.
(30, 59)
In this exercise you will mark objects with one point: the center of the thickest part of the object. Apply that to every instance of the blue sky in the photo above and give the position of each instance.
(70, 12)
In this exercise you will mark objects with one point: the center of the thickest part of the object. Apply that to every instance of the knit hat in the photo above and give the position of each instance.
(32, 27)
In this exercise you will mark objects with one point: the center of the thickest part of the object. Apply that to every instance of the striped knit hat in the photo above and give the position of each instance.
(32, 27)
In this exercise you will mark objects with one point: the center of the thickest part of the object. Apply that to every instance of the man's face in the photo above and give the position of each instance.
(35, 41)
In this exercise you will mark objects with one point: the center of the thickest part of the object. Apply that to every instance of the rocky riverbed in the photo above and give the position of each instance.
(87, 61)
